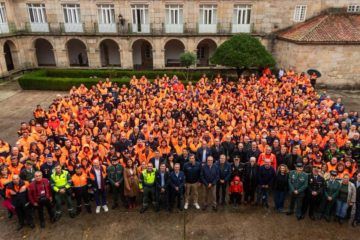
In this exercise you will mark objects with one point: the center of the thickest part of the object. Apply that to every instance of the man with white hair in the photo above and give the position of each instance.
(250, 180)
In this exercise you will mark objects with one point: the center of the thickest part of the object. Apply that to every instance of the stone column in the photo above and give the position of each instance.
(158, 54)
(3, 68)
(126, 54)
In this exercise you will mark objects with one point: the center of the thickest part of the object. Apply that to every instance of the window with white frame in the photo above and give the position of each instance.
(300, 13)
(71, 13)
(174, 14)
(140, 14)
(37, 12)
(242, 14)
(208, 14)
(353, 8)
(106, 14)
(2, 13)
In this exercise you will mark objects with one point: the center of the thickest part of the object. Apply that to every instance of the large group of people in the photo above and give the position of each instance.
(203, 145)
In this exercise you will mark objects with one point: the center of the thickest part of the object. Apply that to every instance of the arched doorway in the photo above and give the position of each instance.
(10, 54)
(109, 53)
(173, 49)
(77, 53)
(44, 52)
(142, 54)
(205, 50)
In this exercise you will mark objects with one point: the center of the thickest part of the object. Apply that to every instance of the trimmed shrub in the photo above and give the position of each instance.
(63, 80)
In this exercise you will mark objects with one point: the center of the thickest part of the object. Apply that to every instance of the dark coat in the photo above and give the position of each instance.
(158, 180)
(250, 178)
(199, 154)
(177, 181)
(210, 174)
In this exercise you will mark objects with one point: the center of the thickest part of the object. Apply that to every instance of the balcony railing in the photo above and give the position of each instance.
(39, 27)
(140, 28)
(207, 28)
(127, 29)
(107, 28)
(174, 28)
(4, 28)
(73, 27)
(240, 28)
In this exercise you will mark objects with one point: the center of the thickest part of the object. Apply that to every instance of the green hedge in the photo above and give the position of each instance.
(118, 73)
(54, 80)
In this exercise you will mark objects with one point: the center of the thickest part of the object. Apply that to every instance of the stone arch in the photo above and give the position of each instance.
(205, 49)
(44, 52)
(11, 55)
(77, 52)
(173, 49)
(142, 51)
(109, 53)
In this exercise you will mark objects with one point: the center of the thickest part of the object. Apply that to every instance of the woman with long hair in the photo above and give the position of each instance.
(281, 187)
(131, 183)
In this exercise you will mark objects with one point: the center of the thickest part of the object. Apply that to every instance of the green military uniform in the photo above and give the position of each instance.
(116, 175)
(147, 183)
(297, 181)
(58, 182)
(332, 188)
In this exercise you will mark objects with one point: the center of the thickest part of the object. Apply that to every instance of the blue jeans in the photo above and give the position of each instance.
(262, 195)
(100, 194)
(279, 199)
(341, 209)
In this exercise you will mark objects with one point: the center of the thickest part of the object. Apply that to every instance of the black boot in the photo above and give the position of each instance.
(10, 214)
(72, 214)
(78, 210)
(88, 208)
(114, 206)
(42, 224)
(143, 209)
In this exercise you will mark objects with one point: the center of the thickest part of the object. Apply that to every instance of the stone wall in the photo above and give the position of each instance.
(339, 64)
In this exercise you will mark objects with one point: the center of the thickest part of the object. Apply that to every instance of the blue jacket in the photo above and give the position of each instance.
(225, 172)
(210, 175)
(177, 181)
(192, 172)
(266, 176)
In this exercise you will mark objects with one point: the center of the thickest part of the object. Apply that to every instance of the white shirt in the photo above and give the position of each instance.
(98, 177)
(157, 162)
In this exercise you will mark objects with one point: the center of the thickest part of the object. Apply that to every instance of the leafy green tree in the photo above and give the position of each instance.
(242, 52)
(187, 59)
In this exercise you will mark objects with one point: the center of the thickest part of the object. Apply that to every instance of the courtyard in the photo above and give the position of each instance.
(243, 223)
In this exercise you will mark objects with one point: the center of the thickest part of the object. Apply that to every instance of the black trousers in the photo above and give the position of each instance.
(162, 199)
(24, 213)
(40, 209)
(249, 194)
(235, 198)
(81, 195)
(314, 205)
(221, 187)
(177, 196)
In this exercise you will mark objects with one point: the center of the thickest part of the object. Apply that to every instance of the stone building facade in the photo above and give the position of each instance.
(141, 33)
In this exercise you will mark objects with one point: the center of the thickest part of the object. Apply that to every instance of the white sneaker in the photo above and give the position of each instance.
(186, 205)
(98, 209)
(106, 209)
(197, 206)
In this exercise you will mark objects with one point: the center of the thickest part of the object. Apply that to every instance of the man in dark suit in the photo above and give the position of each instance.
(162, 180)
(203, 152)
(183, 158)
(157, 160)
(177, 186)
(229, 148)
(217, 150)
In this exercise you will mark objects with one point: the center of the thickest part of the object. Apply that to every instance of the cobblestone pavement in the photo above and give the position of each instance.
(247, 222)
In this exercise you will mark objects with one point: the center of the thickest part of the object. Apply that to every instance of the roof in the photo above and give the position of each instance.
(327, 28)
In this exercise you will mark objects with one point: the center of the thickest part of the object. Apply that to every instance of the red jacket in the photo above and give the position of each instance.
(236, 188)
(36, 189)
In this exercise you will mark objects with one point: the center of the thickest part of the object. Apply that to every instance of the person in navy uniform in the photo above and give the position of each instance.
(162, 194)
(224, 177)
(177, 187)
(315, 193)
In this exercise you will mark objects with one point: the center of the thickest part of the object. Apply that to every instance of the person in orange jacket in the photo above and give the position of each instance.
(80, 189)
(236, 190)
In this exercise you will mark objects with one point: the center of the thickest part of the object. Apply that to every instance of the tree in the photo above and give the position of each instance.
(242, 52)
(187, 59)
